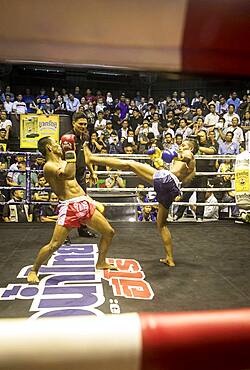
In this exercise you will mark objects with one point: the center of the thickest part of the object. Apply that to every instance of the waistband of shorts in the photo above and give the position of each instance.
(73, 200)
(163, 173)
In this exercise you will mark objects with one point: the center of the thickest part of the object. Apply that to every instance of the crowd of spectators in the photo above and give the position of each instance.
(131, 125)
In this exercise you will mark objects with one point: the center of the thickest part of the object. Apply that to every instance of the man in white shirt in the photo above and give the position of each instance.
(5, 123)
(212, 118)
(100, 123)
(19, 107)
(72, 104)
(183, 129)
(230, 115)
(236, 130)
(8, 104)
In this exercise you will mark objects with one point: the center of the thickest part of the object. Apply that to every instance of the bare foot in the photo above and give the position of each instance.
(168, 261)
(105, 266)
(32, 278)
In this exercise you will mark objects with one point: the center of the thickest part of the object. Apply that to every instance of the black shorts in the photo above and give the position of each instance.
(167, 187)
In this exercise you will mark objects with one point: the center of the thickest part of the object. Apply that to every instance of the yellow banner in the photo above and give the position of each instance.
(33, 127)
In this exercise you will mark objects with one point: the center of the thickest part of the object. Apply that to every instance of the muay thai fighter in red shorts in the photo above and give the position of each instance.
(75, 206)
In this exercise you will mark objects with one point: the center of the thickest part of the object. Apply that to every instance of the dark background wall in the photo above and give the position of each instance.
(158, 85)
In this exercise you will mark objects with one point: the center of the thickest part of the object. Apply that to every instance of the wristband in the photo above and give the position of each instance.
(70, 156)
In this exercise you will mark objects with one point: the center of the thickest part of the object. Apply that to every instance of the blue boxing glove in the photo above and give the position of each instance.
(168, 155)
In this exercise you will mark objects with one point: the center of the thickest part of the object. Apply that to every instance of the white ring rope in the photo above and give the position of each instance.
(127, 190)
(128, 173)
(174, 203)
(146, 156)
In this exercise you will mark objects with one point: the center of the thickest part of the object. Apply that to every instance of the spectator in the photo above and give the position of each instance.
(223, 106)
(100, 106)
(199, 114)
(107, 132)
(178, 140)
(8, 105)
(186, 113)
(198, 125)
(41, 195)
(183, 129)
(225, 182)
(245, 124)
(95, 144)
(215, 102)
(114, 181)
(48, 213)
(168, 142)
(128, 148)
(100, 123)
(72, 104)
(136, 119)
(65, 95)
(123, 107)
(60, 105)
(115, 146)
(13, 173)
(109, 99)
(228, 146)
(212, 118)
(36, 106)
(123, 131)
(38, 163)
(211, 212)
(48, 108)
(19, 107)
(230, 115)
(3, 140)
(8, 92)
(170, 121)
(196, 98)
(28, 99)
(89, 96)
(77, 93)
(147, 214)
(238, 135)
(116, 121)
(21, 178)
(17, 212)
(42, 96)
(156, 125)
(234, 100)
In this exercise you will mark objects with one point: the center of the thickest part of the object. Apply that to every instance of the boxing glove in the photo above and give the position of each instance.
(168, 155)
(68, 146)
(155, 155)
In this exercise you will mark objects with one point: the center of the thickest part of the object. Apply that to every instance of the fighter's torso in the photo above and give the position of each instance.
(185, 172)
(63, 188)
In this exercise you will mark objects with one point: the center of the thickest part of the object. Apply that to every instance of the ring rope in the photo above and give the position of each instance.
(118, 190)
(107, 204)
(127, 173)
(132, 156)
(124, 173)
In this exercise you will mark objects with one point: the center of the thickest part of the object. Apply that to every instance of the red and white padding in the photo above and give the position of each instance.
(172, 341)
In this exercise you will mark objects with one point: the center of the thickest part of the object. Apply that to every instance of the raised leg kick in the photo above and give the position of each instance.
(146, 172)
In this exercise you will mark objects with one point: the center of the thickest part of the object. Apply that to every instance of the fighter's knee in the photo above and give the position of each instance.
(161, 225)
(110, 232)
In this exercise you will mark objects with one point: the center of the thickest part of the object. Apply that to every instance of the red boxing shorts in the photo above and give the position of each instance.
(75, 211)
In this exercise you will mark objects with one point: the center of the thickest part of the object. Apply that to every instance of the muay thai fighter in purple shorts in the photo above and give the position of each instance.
(167, 184)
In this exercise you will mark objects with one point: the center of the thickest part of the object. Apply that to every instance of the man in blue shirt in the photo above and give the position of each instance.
(234, 100)
(229, 146)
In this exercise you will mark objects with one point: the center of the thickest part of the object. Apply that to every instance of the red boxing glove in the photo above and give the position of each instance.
(69, 146)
